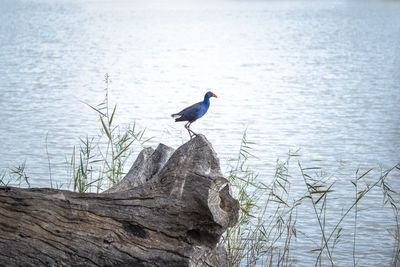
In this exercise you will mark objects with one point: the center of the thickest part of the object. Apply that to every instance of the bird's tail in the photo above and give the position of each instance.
(176, 115)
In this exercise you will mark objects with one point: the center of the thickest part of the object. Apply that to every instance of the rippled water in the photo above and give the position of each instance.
(323, 76)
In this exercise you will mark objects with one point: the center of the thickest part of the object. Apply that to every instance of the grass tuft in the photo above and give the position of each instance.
(267, 230)
(98, 163)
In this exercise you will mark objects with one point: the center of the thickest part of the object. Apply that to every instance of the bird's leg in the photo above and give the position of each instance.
(187, 128)
(191, 133)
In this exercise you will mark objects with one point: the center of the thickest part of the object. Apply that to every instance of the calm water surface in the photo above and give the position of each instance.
(323, 76)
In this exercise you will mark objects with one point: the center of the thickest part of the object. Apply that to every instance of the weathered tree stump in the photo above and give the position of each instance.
(169, 210)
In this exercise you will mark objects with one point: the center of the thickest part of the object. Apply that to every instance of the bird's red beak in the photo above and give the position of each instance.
(214, 95)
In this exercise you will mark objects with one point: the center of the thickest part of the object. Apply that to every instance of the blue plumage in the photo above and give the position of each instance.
(194, 112)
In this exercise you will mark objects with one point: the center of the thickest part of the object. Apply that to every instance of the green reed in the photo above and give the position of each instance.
(266, 217)
(98, 162)
(267, 226)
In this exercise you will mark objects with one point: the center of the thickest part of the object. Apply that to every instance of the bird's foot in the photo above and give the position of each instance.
(191, 133)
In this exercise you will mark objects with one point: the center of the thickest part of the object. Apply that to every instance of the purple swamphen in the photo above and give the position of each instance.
(194, 112)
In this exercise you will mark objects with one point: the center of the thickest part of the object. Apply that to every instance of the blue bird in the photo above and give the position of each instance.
(194, 112)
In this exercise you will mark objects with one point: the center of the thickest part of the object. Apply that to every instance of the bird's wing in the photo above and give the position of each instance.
(195, 108)
(189, 112)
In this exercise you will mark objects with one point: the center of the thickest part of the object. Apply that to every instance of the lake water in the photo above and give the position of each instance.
(322, 76)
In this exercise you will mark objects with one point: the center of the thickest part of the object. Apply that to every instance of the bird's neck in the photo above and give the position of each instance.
(206, 101)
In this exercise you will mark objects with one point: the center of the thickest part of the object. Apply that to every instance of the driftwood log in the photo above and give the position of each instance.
(170, 210)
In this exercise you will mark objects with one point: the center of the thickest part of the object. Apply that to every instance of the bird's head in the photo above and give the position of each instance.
(210, 94)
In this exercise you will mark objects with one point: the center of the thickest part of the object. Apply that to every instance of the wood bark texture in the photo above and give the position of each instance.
(170, 210)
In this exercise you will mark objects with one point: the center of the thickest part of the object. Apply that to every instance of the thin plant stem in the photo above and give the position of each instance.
(48, 161)
(318, 218)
